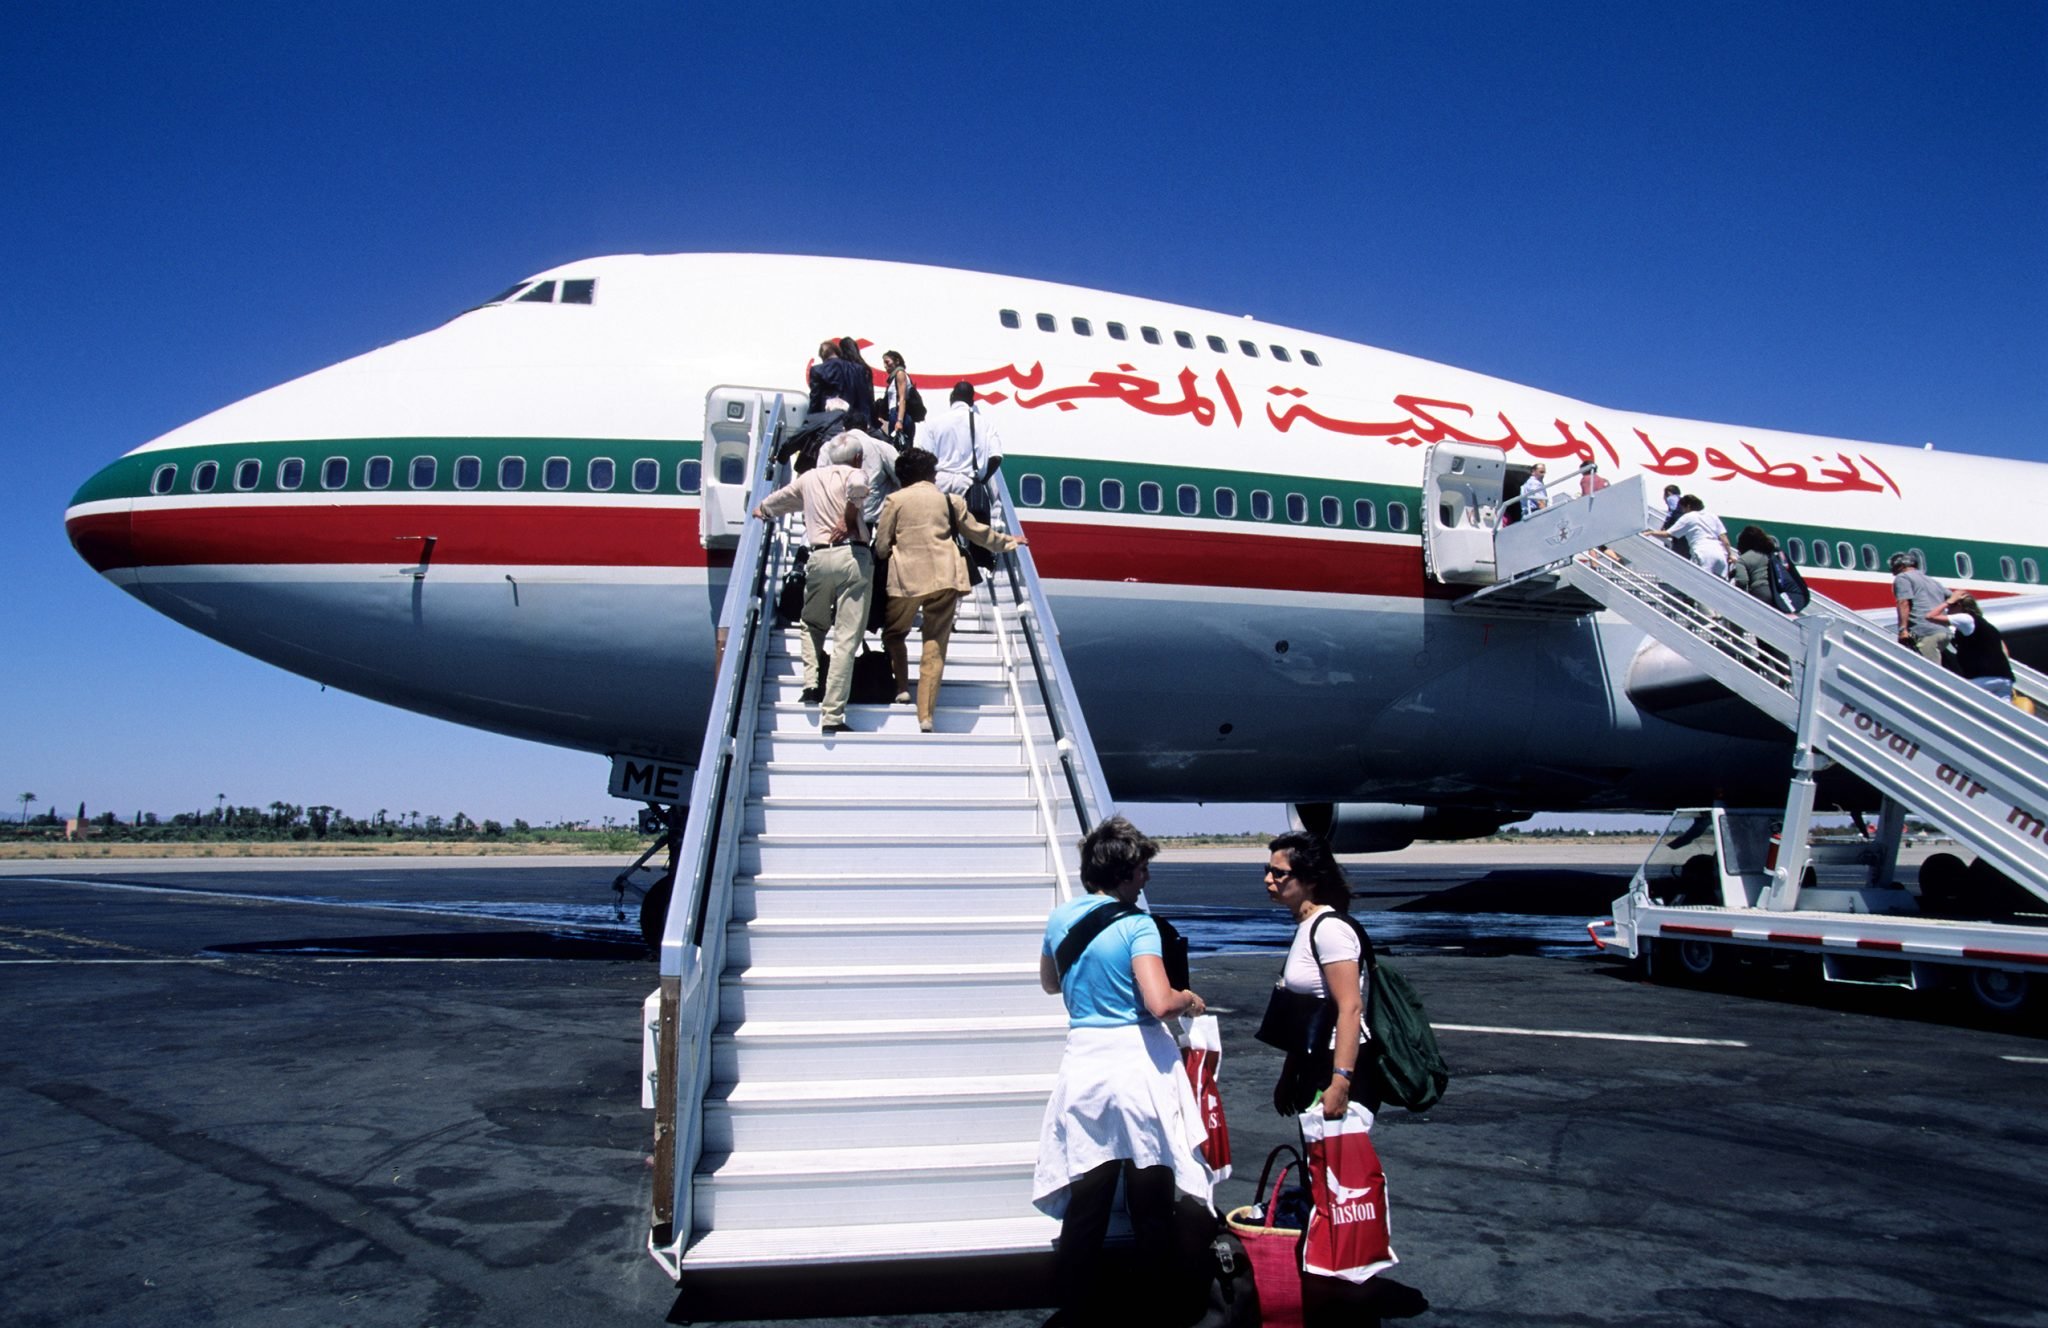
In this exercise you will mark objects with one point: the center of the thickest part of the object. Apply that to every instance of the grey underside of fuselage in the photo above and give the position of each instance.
(1191, 693)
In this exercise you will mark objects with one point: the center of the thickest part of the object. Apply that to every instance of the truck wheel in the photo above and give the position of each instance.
(654, 911)
(1691, 963)
(2000, 992)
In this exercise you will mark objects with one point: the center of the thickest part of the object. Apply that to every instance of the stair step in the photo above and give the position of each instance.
(794, 717)
(892, 1113)
(910, 854)
(874, 816)
(952, 691)
(889, 749)
(959, 894)
(882, 991)
(882, 940)
(833, 1049)
(859, 1186)
(784, 669)
(1032, 1232)
(798, 779)
(967, 647)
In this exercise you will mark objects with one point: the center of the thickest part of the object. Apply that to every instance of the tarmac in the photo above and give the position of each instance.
(383, 1092)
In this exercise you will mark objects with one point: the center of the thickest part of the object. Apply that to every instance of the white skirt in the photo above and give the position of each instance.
(1121, 1094)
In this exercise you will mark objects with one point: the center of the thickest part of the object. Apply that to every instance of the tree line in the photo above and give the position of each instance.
(286, 821)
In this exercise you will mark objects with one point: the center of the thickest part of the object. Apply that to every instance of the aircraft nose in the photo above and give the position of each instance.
(97, 522)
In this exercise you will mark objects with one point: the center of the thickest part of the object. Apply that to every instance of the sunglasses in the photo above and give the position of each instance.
(1282, 874)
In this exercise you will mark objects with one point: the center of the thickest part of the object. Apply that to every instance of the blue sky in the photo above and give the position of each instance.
(1826, 216)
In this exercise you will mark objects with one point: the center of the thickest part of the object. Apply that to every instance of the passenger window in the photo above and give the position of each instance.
(1031, 491)
(1184, 341)
(579, 291)
(1795, 549)
(1249, 349)
(2008, 570)
(291, 473)
(1219, 345)
(1112, 495)
(1047, 323)
(334, 473)
(1116, 331)
(1333, 512)
(1279, 353)
(1072, 492)
(1083, 328)
(1965, 567)
(1010, 320)
(554, 472)
(423, 468)
(1870, 557)
(1188, 499)
(2030, 571)
(204, 476)
(512, 473)
(1262, 505)
(1363, 512)
(732, 469)
(1397, 516)
(544, 293)
(377, 474)
(690, 476)
(1310, 357)
(250, 473)
(1297, 508)
(1822, 555)
(600, 473)
(1150, 497)
(646, 474)
(1919, 559)
(1845, 554)
(1226, 502)
(469, 472)
(164, 478)
(1151, 335)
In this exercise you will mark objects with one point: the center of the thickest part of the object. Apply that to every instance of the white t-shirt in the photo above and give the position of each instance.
(1334, 943)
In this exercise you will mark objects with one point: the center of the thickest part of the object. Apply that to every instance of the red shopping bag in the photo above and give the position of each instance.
(1348, 1233)
(1271, 1243)
(1202, 1058)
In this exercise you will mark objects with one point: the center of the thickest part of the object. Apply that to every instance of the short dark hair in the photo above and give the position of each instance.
(1112, 854)
(1903, 560)
(895, 355)
(963, 391)
(914, 465)
(1309, 856)
(1755, 539)
(1691, 503)
(828, 349)
(1670, 489)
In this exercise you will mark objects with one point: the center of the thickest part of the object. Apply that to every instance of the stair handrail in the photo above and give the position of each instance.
(710, 834)
(1086, 783)
(1048, 815)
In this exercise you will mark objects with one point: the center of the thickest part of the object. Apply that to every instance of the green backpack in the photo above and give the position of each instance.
(1406, 1069)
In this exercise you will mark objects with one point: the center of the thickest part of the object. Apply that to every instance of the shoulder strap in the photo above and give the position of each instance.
(1085, 931)
(1364, 948)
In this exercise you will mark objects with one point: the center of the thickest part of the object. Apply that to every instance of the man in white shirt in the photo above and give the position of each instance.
(839, 573)
(1535, 494)
(964, 442)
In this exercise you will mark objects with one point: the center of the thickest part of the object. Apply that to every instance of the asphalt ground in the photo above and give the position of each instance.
(377, 1094)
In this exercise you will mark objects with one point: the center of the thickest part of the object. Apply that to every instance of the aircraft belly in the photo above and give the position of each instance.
(577, 657)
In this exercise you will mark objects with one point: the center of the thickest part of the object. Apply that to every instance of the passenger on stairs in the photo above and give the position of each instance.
(1752, 568)
(902, 403)
(1703, 533)
(1535, 493)
(832, 376)
(1121, 1107)
(1917, 595)
(927, 574)
(964, 442)
(1979, 651)
(837, 577)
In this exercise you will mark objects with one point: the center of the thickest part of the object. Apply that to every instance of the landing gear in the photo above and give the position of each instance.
(654, 910)
(665, 822)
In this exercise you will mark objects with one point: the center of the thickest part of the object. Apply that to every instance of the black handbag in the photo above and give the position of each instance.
(789, 601)
(1291, 1019)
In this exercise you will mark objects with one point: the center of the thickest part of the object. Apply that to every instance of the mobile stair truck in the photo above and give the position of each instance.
(849, 1053)
(1722, 885)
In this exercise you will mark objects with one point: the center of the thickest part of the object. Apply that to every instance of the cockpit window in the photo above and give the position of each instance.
(544, 293)
(581, 291)
(507, 293)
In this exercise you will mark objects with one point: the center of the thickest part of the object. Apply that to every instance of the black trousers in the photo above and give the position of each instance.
(1148, 1194)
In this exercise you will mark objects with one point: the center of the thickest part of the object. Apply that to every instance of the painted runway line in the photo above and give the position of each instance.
(1596, 1037)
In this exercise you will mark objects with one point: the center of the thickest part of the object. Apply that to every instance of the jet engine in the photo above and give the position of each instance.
(1382, 827)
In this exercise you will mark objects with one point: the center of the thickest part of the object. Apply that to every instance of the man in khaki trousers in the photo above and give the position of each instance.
(927, 574)
(836, 579)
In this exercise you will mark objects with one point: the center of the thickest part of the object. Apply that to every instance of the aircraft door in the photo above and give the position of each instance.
(733, 454)
(1461, 502)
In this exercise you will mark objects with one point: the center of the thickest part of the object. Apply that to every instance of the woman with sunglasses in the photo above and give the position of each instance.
(1302, 876)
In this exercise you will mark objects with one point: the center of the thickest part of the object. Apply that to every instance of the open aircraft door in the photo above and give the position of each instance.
(734, 418)
(1461, 505)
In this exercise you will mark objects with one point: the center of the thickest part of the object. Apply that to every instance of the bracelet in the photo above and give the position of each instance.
(1341, 1070)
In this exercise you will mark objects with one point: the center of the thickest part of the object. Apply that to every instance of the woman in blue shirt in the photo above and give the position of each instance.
(1122, 1107)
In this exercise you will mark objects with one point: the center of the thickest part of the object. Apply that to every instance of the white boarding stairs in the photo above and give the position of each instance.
(850, 1052)
(1967, 762)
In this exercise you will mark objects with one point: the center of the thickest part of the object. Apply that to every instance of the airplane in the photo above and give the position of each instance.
(521, 520)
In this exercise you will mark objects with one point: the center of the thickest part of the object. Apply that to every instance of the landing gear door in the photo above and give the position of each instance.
(735, 419)
(1461, 503)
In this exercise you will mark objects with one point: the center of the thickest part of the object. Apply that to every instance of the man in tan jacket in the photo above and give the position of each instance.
(927, 573)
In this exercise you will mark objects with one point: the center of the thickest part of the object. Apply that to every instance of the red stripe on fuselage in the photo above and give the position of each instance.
(1204, 558)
